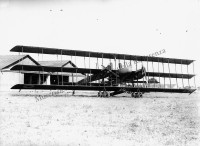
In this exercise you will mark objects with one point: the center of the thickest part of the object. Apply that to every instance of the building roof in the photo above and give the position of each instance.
(57, 63)
(7, 61)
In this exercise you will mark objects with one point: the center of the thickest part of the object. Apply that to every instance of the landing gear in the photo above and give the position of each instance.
(73, 92)
(103, 94)
(136, 94)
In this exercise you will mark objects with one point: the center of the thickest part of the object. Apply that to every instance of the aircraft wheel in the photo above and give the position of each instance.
(136, 94)
(99, 94)
(105, 94)
(108, 94)
(139, 94)
(133, 94)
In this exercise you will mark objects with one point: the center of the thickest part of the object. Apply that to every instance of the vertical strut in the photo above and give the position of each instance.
(169, 73)
(124, 61)
(159, 71)
(143, 77)
(90, 69)
(97, 67)
(194, 76)
(72, 79)
(176, 76)
(182, 74)
(22, 64)
(148, 71)
(43, 68)
(103, 77)
(115, 63)
(188, 77)
(124, 67)
(84, 62)
(72, 74)
(85, 67)
(136, 70)
(153, 75)
(39, 71)
(116, 67)
(111, 68)
(76, 67)
(163, 72)
(62, 69)
(57, 72)
(102, 59)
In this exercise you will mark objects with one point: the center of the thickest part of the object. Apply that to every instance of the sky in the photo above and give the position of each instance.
(136, 27)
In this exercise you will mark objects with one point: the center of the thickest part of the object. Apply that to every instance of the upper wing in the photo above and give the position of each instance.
(44, 50)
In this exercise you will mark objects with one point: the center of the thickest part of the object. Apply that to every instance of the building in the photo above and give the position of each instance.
(9, 78)
(59, 78)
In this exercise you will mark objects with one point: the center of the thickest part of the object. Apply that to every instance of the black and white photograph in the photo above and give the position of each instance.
(99, 73)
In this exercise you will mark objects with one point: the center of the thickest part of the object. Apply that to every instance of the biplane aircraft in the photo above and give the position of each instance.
(109, 80)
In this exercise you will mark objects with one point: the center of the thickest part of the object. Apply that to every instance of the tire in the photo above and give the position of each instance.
(133, 94)
(136, 94)
(105, 94)
(99, 94)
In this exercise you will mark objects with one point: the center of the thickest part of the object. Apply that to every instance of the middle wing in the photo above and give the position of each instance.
(94, 71)
(95, 74)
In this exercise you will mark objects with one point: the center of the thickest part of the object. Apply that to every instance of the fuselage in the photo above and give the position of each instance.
(125, 70)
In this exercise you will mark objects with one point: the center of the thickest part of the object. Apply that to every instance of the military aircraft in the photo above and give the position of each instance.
(109, 81)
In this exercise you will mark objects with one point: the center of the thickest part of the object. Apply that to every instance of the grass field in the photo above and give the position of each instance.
(160, 119)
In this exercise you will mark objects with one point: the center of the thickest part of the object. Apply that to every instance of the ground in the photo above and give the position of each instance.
(157, 119)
